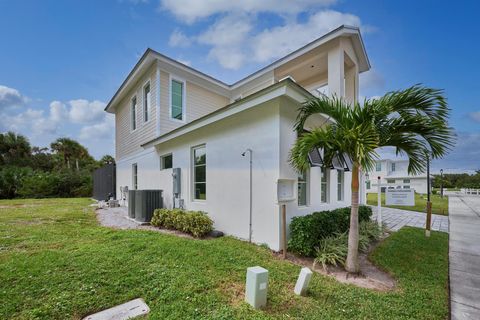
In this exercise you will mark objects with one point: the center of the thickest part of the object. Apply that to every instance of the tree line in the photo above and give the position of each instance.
(62, 170)
(458, 180)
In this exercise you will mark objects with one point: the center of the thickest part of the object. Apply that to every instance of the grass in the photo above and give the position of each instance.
(439, 204)
(57, 263)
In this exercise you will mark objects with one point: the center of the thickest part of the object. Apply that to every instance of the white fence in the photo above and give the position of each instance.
(470, 191)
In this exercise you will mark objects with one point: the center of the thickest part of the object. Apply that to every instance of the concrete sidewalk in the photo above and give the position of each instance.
(464, 256)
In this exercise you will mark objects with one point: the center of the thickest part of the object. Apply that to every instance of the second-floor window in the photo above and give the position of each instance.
(379, 166)
(406, 180)
(133, 113)
(177, 99)
(390, 180)
(146, 101)
(393, 166)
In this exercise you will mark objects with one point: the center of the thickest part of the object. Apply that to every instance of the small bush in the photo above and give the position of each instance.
(306, 232)
(196, 223)
(333, 250)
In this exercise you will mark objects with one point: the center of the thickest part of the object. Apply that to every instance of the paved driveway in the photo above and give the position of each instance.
(397, 218)
(464, 256)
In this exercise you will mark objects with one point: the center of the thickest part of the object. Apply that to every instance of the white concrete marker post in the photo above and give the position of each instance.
(379, 203)
(303, 281)
(256, 287)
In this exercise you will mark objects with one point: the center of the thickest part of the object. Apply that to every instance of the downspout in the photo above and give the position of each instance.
(251, 195)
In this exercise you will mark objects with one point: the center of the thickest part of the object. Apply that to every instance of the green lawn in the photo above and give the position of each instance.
(439, 205)
(57, 263)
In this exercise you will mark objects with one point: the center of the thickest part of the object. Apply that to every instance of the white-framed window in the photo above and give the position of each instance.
(133, 113)
(199, 166)
(135, 176)
(324, 185)
(369, 186)
(177, 99)
(340, 184)
(146, 101)
(406, 180)
(166, 161)
(378, 166)
(390, 180)
(406, 187)
(393, 166)
(302, 182)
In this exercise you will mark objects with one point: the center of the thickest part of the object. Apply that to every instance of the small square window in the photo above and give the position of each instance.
(166, 162)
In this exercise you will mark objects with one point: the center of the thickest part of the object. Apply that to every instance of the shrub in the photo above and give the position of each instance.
(196, 223)
(306, 232)
(333, 249)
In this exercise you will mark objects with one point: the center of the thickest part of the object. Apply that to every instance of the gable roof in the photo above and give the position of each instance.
(151, 56)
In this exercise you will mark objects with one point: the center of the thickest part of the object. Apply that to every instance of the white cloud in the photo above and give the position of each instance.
(372, 81)
(179, 39)
(189, 11)
(279, 41)
(10, 97)
(475, 116)
(102, 130)
(234, 39)
(228, 38)
(86, 112)
(58, 111)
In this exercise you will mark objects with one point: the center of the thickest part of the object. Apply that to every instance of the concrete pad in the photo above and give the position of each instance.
(462, 312)
(466, 289)
(465, 246)
(464, 262)
(128, 310)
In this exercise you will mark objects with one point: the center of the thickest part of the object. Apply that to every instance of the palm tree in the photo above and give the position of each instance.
(14, 149)
(414, 121)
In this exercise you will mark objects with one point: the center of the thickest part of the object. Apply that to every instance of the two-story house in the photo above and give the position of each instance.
(169, 115)
(394, 175)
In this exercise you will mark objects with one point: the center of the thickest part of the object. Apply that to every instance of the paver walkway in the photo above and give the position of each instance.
(397, 218)
(464, 256)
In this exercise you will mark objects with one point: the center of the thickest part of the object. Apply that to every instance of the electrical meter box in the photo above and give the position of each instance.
(176, 175)
(285, 190)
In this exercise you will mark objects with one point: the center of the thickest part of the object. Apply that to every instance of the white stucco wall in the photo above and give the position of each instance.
(227, 172)
(267, 129)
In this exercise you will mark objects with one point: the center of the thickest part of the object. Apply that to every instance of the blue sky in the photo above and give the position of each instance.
(61, 61)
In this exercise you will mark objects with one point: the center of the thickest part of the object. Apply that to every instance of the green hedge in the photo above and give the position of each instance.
(306, 232)
(196, 223)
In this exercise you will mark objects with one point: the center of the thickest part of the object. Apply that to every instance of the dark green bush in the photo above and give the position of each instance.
(196, 223)
(306, 232)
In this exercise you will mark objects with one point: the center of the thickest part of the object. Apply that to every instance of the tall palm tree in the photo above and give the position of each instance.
(414, 121)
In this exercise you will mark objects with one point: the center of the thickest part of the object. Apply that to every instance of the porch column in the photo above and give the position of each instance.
(157, 100)
(336, 71)
(351, 84)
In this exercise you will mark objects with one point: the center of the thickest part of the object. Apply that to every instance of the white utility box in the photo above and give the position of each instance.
(303, 281)
(256, 287)
(285, 190)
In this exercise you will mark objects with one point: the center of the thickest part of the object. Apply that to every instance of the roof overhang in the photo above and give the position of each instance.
(343, 31)
(285, 87)
(151, 56)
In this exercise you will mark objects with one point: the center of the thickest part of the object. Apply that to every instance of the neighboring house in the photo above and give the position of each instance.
(169, 115)
(394, 175)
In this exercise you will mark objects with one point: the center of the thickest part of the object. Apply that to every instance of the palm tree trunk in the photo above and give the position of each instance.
(352, 265)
